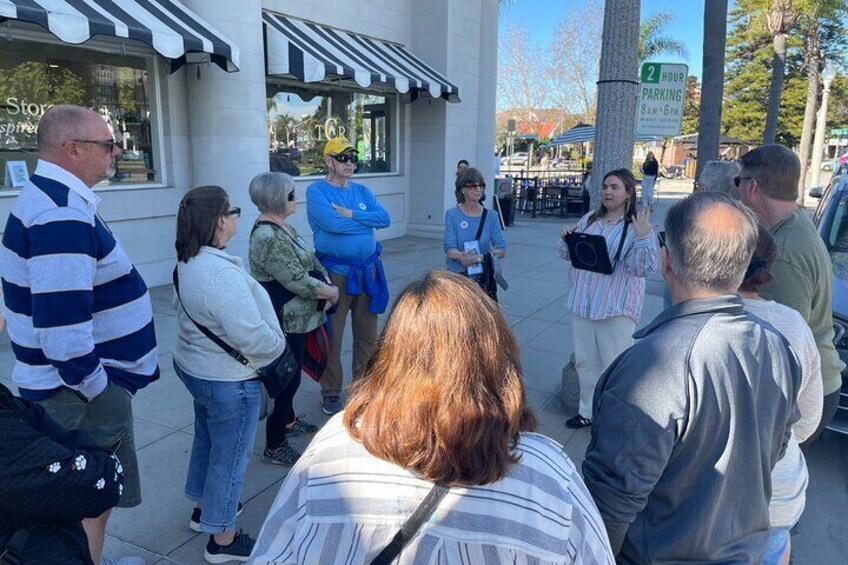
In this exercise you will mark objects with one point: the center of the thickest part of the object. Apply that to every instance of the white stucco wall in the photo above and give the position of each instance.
(214, 126)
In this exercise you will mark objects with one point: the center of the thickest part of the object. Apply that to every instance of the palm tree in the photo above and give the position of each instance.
(780, 17)
(712, 87)
(653, 43)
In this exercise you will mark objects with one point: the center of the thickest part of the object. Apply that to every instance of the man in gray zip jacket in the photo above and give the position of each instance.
(690, 421)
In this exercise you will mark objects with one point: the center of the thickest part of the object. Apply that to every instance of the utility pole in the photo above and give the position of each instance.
(712, 87)
(617, 90)
(828, 75)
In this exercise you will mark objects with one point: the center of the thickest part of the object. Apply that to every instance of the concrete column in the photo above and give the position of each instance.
(617, 89)
(443, 32)
(712, 87)
(226, 111)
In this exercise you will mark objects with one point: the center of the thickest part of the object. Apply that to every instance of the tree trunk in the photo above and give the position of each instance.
(617, 90)
(712, 87)
(812, 57)
(778, 67)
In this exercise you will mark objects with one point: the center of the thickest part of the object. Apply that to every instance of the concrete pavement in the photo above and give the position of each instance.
(534, 307)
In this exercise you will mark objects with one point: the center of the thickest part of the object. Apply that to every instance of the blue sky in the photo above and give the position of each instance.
(540, 17)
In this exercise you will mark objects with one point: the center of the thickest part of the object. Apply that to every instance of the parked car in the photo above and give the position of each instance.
(518, 159)
(831, 219)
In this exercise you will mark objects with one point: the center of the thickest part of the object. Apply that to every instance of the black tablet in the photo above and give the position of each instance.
(589, 252)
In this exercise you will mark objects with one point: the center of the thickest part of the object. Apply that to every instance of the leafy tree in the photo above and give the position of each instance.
(653, 43)
(820, 27)
(748, 76)
(691, 107)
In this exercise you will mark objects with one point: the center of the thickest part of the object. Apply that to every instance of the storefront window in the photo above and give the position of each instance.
(35, 76)
(300, 121)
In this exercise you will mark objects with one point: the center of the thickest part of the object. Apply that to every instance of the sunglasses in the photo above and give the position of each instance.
(107, 144)
(233, 212)
(291, 196)
(738, 180)
(346, 158)
(473, 185)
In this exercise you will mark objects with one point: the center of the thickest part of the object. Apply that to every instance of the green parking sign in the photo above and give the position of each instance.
(651, 73)
(662, 92)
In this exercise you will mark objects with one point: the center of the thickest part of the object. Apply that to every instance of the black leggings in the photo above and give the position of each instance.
(283, 414)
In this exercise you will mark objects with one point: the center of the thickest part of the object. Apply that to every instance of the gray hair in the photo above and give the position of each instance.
(718, 176)
(270, 192)
(62, 123)
(710, 239)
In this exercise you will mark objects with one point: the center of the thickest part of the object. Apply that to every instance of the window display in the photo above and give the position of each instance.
(36, 76)
(300, 121)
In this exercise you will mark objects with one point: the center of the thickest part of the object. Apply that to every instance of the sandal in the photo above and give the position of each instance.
(578, 422)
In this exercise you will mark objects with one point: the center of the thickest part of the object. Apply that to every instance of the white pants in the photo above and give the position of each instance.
(648, 183)
(596, 344)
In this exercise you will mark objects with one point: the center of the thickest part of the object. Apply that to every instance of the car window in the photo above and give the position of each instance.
(837, 239)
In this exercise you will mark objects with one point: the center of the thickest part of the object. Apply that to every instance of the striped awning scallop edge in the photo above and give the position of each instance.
(585, 133)
(313, 53)
(174, 31)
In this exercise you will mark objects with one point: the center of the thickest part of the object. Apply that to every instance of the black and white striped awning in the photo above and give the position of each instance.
(314, 53)
(170, 28)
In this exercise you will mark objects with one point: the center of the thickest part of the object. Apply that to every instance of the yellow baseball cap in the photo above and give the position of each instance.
(337, 146)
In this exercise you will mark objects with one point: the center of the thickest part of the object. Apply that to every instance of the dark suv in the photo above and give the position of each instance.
(831, 220)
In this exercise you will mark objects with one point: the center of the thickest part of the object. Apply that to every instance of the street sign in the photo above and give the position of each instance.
(662, 92)
(839, 132)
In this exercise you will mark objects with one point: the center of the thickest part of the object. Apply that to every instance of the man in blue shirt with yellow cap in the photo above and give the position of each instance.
(343, 216)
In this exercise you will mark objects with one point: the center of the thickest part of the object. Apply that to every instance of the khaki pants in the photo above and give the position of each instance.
(596, 345)
(364, 336)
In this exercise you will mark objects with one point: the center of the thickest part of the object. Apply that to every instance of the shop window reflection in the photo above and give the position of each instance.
(300, 121)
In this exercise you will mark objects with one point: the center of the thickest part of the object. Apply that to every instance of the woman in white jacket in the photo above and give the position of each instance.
(217, 292)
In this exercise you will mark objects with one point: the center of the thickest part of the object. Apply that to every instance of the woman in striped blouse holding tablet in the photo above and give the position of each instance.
(605, 308)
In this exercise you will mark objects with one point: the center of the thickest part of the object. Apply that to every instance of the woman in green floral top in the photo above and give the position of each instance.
(278, 255)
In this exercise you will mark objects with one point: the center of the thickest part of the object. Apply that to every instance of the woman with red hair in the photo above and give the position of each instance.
(439, 414)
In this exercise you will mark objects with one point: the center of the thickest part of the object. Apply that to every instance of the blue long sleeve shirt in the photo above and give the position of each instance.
(460, 227)
(351, 239)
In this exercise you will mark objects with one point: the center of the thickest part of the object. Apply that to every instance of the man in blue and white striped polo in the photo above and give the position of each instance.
(78, 313)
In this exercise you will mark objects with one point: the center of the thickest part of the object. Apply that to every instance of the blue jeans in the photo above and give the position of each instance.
(778, 540)
(226, 414)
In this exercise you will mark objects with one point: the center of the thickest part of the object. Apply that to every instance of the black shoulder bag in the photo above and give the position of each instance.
(276, 376)
(411, 526)
(487, 279)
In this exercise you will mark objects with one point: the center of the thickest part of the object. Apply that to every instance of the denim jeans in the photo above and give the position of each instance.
(226, 414)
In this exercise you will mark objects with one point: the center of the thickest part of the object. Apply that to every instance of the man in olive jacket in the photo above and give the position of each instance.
(690, 421)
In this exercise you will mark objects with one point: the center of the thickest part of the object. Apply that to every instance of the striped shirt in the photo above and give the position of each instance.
(596, 296)
(78, 313)
(340, 504)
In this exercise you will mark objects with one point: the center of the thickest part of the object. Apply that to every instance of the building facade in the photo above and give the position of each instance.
(200, 124)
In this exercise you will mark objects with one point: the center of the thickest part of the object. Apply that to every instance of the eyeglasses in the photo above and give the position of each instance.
(107, 144)
(291, 196)
(233, 212)
(346, 158)
(738, 180)
(475, 185)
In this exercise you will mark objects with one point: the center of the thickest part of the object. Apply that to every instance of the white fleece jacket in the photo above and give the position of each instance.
(219, 294)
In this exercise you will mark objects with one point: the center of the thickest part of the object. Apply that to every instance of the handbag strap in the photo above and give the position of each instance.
(480, 227)
(412, 525)
(620, 244)
(234, 353)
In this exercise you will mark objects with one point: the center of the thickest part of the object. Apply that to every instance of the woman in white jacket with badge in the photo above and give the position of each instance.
(214, 290)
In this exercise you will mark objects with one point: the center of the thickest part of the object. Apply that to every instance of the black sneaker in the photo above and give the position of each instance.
(239, 550)
(284, 455)
(301, 427)
(194, 523)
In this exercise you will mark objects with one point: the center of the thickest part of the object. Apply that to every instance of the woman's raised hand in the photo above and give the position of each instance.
(643, 224)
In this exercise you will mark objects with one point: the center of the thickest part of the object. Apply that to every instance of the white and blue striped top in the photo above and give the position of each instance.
(78, 313)
(339, 504)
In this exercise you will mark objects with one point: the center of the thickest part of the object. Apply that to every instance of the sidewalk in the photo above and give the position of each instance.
(534, 307)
